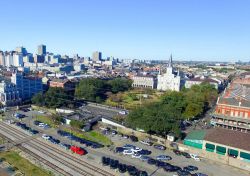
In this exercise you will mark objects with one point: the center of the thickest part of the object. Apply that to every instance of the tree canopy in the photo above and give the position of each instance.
(54, 98)
(94, 89)
(165, 116)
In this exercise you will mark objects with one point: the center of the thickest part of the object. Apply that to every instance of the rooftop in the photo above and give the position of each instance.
(228, 137)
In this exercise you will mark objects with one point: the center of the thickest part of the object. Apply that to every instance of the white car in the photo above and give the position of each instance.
(45, 136)
(195, 157)
(41, 112)
(146, 142)
(163, 157)
(136, 155)
(41, 124)
(136, 149)
(128, 152)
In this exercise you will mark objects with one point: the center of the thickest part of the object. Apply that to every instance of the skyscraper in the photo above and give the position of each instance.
(97, 56)
(41, 50)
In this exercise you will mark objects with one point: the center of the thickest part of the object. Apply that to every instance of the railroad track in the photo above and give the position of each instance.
(56, 153)
(42, 160)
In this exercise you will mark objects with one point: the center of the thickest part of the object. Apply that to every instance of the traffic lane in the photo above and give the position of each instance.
(205, 166)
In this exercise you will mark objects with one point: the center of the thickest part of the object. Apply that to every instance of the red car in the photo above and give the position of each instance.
(77, 150)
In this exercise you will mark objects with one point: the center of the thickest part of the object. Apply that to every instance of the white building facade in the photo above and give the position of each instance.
(168, 80)
(144, 82)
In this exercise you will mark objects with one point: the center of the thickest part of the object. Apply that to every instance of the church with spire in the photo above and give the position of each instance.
(168, 80)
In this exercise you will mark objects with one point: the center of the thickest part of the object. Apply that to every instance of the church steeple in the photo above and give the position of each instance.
(170, 62)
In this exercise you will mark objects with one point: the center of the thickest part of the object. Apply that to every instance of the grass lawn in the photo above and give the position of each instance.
(134, 98)
(45, 119)
(23, 164)
(91, 136)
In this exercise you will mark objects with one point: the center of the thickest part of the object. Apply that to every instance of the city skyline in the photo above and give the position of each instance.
(209, 30)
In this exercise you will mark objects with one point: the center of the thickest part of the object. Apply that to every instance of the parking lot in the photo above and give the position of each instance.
(204, 166)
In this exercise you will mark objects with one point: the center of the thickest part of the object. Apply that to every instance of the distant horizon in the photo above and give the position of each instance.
(123, 58)
(204, 30)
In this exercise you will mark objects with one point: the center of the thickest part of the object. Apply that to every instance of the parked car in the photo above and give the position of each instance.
(119, 149)
(114, 164)
(177, 152)
(128, 152)
(142, 173)
(125, 136)
(163, 157)
(114, 132)
(199, 174)
(122, 168)
(41, 112)
(136, 149)
(195, 157)
(136, 155)
(32, 131)
(133, 138)
(144, 152)
(146, 142)
(159, 147)
(186, 155)
(183, 173)
(45, 136)
(144, 158)
(105, 161)
(128, 146)
(190, 168)
(37, 122)
(151, 161)
(77, 150)
(65, 146)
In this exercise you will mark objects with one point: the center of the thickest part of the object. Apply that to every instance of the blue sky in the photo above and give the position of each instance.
(143, 29)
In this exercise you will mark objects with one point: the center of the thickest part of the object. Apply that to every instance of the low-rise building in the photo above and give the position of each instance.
(144, 81)
(62, 83)
(198, 80)
(27, 85)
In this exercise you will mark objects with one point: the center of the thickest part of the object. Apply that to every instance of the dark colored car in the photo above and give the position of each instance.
(132, 170)
(119, 149)
(144, 152)
(183, 173)
(159, 147)
(122, 168)
(151, 161)
(186, 155)
(114, 164)
(133, 138)
(190, 168)
(160, 163)
(34, 131)
(142, 173)
(199, 174)
(177, 152)
(169, 168)
(105, 161)
(36, 122)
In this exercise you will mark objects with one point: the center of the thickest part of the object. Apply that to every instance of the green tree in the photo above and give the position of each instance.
(91, 89)
(120, 84)
(38, 99)
(76, 124)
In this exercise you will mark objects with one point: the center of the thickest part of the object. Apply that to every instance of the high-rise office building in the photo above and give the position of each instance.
(2, 58)
(41, 50)
(21, 50)
(18, 59)
(97, 56)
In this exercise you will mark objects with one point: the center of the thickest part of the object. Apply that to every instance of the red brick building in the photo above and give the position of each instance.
(233, 108)
(62, 83)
